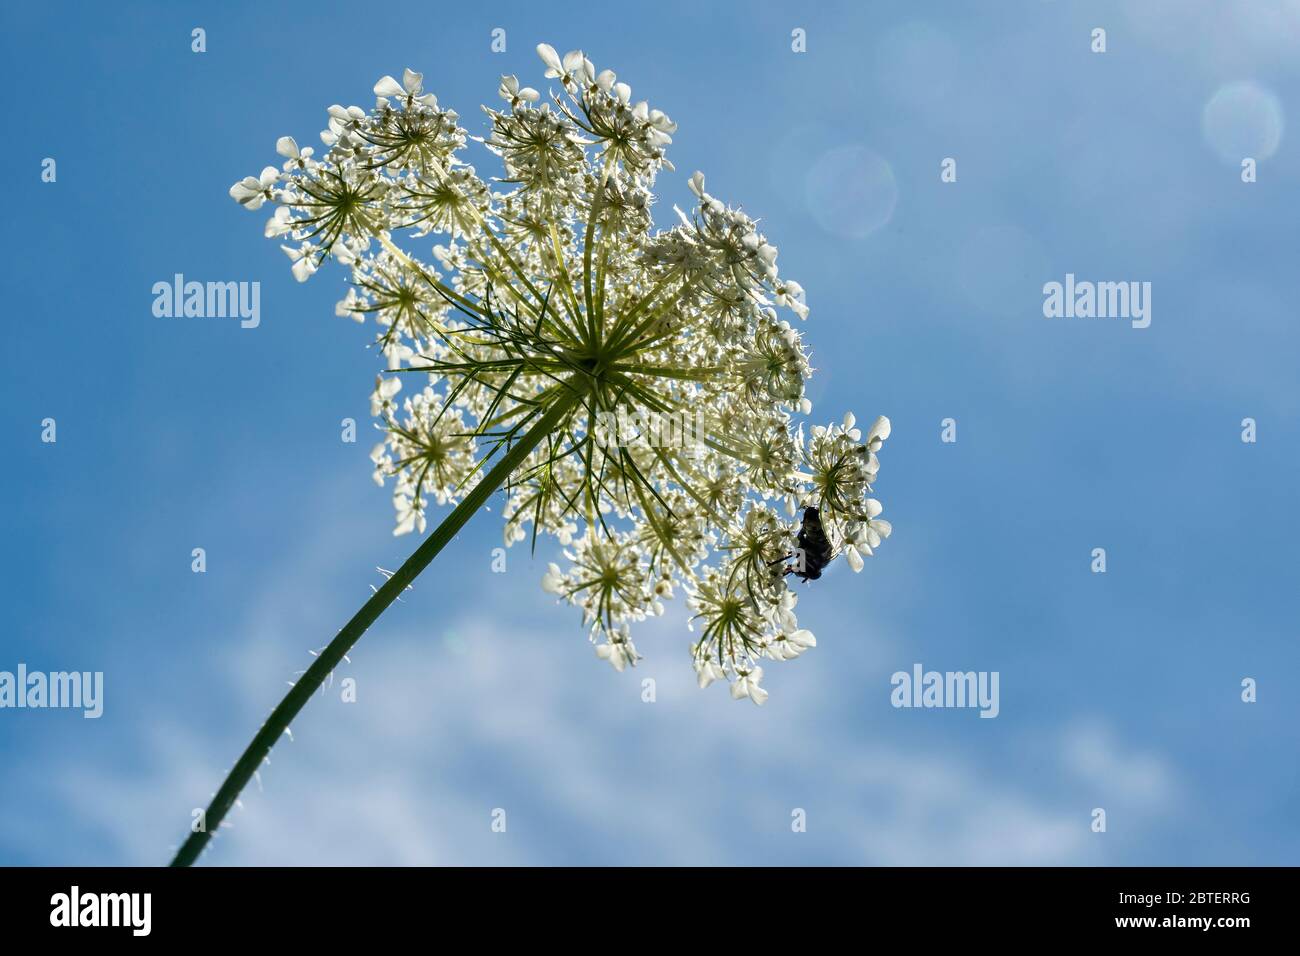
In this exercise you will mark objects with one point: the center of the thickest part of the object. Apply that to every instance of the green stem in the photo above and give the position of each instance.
(328, 659)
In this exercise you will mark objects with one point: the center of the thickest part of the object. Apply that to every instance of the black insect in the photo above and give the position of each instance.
(814, 548)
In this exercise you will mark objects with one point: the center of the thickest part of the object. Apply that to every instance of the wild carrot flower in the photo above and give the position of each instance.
(551, 294)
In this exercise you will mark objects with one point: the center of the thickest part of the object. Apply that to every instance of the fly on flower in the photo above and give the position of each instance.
(554, 301)
(814, 549)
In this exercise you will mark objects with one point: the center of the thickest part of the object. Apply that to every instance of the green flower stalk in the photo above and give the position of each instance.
(632, 390)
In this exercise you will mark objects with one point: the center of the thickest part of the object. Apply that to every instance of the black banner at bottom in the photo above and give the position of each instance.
(218, 905)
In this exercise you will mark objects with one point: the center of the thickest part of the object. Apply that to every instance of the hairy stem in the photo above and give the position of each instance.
(328, 659)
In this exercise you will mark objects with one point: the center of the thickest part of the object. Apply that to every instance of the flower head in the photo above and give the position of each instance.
(553, 297)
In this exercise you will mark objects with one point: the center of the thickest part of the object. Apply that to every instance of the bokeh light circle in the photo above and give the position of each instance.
(851, 191)
(1242, 119)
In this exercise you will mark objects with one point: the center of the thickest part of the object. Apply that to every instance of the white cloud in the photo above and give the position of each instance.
(1093, 754)
(517, 712)
(534, 723)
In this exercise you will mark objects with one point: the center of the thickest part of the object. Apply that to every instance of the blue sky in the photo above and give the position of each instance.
(1118, 690)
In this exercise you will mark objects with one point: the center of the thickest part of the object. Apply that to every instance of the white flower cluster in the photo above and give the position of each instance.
(552, 299)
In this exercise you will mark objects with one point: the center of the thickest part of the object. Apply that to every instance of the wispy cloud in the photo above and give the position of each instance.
(446, 730)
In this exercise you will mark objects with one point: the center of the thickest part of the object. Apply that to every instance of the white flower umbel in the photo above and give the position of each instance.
(551, 283)
(550, 306)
